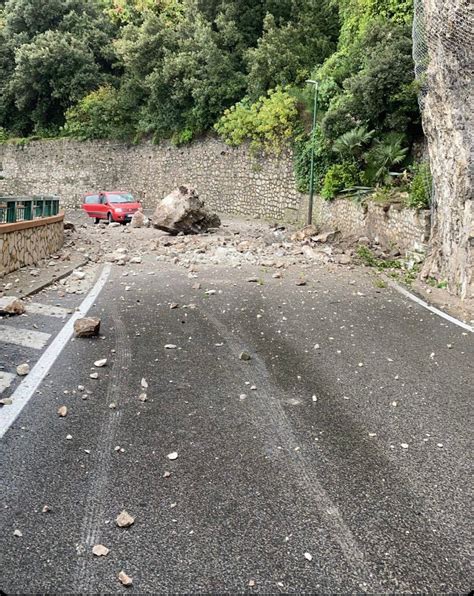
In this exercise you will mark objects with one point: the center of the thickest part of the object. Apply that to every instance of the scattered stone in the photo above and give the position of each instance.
(170, 347)
(10, 305)
(251, 583)
(245, 356)
(46, 509)
(308, 556)
(174, 306)
(22, 370)
(144, 384)
(62, 412)
(78, 274)
(68, 437)
(6, 401)
(183, 211)
(306, 232)
(17, 533)
(300, 282)
(326, 237)
(94, 375)
(114, 224)
(100, 363)
(166, 474)
(253, 280)
(124, 579)
(143, 397)
(136, 260)
(87, 327)
(404, 445)
(99, 550)
(172, 456)
(138, 220)
(124, 520)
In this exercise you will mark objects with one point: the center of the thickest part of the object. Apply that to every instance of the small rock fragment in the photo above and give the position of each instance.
(144, 384)
(11, 305)
(87, 327)
(22, 370)
(404, 445)
(99, 550)
(62, 411)
(172, 456)
(245, 356)
(308, 556)
(94, 375)
(170, 347)
(17, 533)
(124, 520)
(124, 579)
(100, 363)
(166, 474)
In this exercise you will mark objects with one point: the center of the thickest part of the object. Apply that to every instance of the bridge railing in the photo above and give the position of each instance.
(15, 209)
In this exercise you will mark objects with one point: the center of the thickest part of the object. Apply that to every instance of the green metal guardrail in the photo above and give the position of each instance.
(14, 209)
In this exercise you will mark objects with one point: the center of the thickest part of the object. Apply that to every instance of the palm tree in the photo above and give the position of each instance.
(351, 143)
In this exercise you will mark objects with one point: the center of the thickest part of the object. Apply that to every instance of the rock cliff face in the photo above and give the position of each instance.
(448, 122)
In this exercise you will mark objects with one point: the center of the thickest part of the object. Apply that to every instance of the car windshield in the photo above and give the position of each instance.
(120, 198)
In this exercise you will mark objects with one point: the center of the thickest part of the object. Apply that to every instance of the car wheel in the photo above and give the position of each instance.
(97, 220)
(109, 217)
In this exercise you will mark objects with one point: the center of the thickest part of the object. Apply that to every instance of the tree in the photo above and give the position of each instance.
(289, 51)
(51, 73)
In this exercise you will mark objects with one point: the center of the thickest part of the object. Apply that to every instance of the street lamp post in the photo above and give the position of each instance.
(311, 176)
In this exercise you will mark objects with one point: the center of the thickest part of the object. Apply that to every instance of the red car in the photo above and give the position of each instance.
(115, 205)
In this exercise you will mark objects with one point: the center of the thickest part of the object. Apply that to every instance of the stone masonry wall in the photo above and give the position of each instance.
(391, 225)
(27, 246)
(230, 181)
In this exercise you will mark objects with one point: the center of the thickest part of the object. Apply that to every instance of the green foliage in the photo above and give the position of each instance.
(370, 260)
(51, 54)
(99, 115)
(339, 177)
(269, 123)
(375, 77)
(288, 51)
(382, 157)
(3, 135)
(351, 144)
(420, 187)
(324, 158)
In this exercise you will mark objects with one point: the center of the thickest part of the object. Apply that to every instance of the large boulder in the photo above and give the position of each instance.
(183, 211)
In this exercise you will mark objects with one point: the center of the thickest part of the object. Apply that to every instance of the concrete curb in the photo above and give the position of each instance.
(44, 284)
(414, 298)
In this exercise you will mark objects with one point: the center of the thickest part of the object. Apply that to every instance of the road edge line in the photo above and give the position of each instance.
(424, 304)
(24, 392)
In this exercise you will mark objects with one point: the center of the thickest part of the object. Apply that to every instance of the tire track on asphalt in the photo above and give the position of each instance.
(273, 421)
(95, 503)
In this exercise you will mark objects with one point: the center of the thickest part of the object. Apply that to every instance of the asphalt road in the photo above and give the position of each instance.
(354, 454)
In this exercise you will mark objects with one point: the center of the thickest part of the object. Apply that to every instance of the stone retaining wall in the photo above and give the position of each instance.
(27, 242)
(230, 180)
(392, 225)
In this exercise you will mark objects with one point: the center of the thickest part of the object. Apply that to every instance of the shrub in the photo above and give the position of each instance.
(269, 123)
(324, 158)
(339, 177)
(3, 135)
(99, 115)
(382, 156)
(420, 188)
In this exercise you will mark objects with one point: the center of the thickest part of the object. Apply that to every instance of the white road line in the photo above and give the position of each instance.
(46, 309)
(27, 388)
(433, 309)
(6, 380)
(23, 337)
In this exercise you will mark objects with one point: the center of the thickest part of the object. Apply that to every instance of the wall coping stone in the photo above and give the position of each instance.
(31, 223)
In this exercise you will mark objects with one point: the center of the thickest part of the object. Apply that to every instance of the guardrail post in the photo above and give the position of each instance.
(11, 211)
(28, 209)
